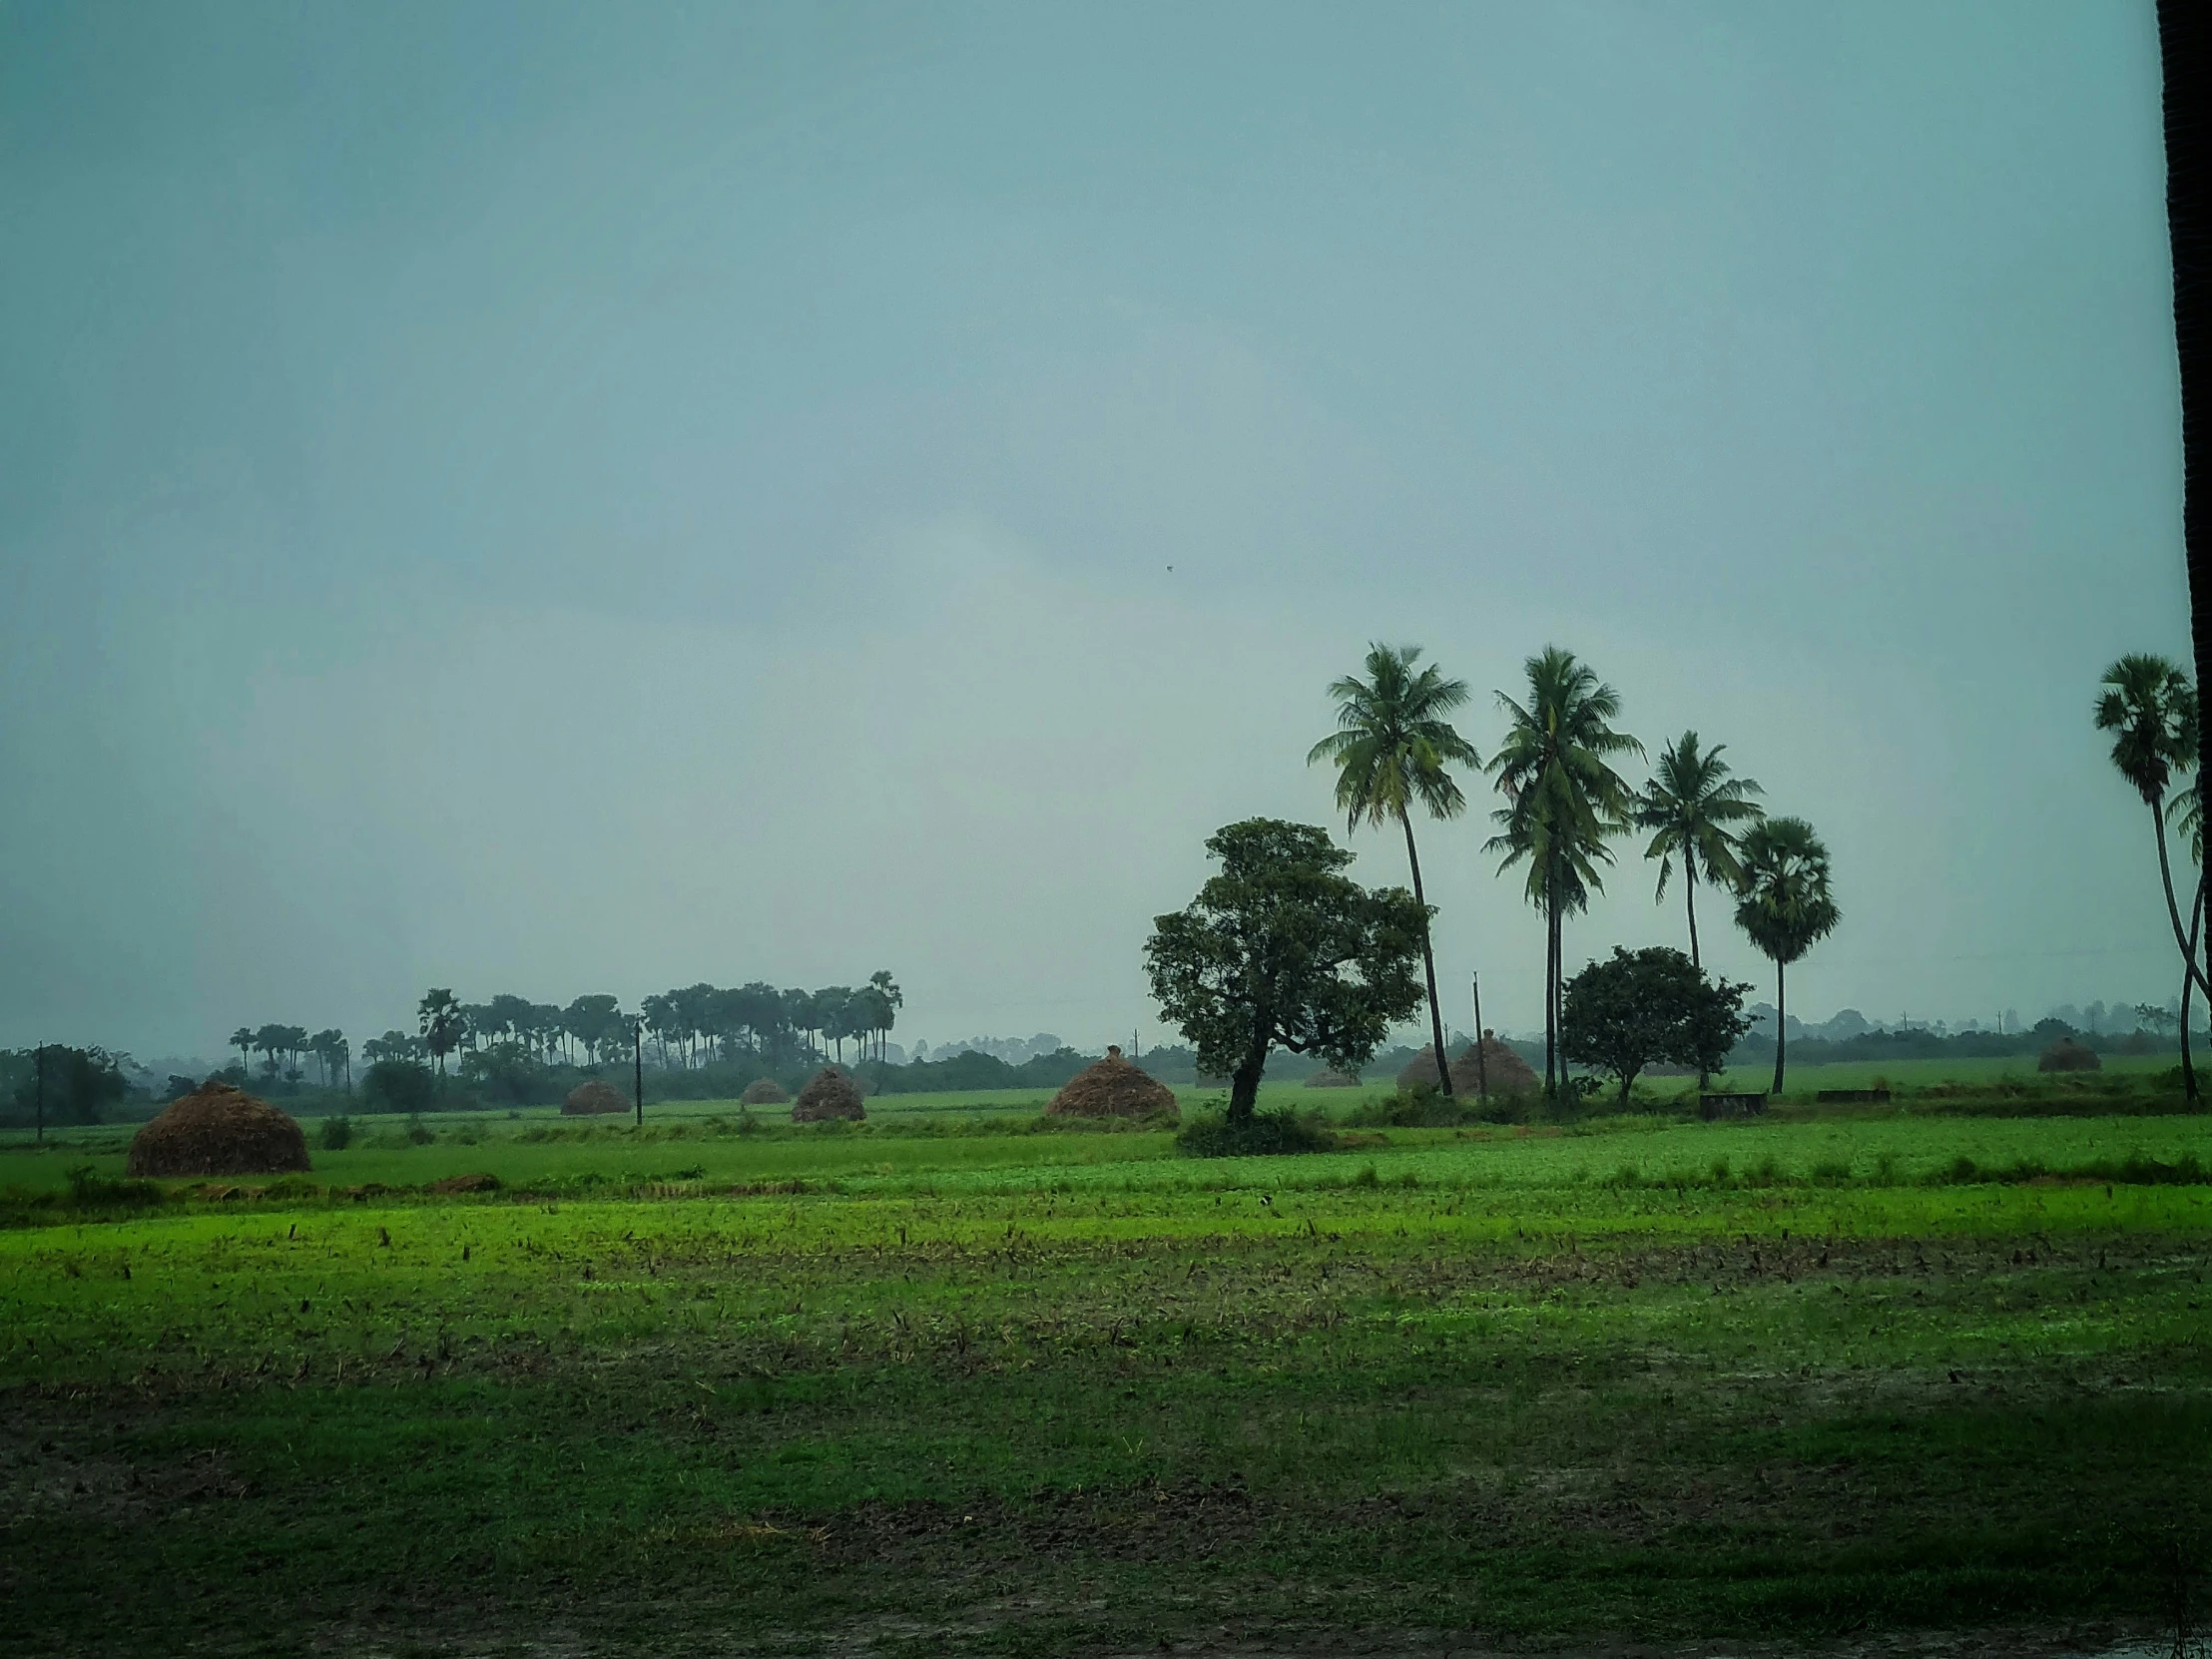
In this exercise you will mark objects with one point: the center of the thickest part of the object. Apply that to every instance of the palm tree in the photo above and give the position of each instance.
(242, 1040)
(2150, 707)
(1785, 905)
(1689, 805)
(438, 1016)
(1562, 799)
(1390, 748)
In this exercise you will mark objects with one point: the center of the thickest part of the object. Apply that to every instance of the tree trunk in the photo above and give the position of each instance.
(1429, 963)
(1552, 1005)
(2189, 985)
(1689, 901)
(1780, 1022)
(1244, 1093)
(2173, 911)
(2185, 47)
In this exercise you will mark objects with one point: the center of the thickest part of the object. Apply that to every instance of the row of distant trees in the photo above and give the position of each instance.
(684, 1028)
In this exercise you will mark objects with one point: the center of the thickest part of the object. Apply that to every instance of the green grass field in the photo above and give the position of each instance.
(949, 1383)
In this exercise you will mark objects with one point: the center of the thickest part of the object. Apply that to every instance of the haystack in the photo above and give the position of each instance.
(1328, 1079)
(1502, 1072)
(1113, 1088)
(2068, 1055)
(219, 1129)
(829, 1094)
(589, 1099)
(765, 1091)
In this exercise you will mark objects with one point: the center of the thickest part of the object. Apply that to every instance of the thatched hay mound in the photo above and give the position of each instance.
(1326, 1079)
(829, 1094)
(765, 1091)
(1503, 1071)
(219, 1129)
(590, 1099)
(1113, 1088)
(2068, 1055)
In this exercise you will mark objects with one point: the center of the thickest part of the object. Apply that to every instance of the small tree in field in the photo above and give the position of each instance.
(1650, 1007)
(1282, 948)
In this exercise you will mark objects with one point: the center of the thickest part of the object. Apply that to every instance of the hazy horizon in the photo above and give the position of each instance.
(568, 500)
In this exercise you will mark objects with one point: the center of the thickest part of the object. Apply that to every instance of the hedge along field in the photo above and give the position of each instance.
(968, 1392)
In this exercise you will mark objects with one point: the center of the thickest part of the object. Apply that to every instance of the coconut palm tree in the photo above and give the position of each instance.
(1391, 750)
(438, 1017)
(1690, 805)
(2187, 815)
(1563, 800)
(242, 1040)
(2150, 707)
(1785, 905)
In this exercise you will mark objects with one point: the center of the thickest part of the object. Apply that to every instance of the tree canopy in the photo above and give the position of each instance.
(1281, 948)
(1649, 1007)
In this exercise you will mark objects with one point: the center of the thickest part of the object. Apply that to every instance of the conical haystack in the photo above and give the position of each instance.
(1330, 1080)
(765, 1091)
(591, 1098)
(829, 1094)
(1113, 1088)
(219, 1129)
(1502, 1072)
(2068, 1055)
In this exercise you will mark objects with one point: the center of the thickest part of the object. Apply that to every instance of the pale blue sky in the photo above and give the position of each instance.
(551, 501)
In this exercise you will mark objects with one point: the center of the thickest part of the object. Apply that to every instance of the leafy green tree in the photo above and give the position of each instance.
(831, 1014)
(1391, 748)
(2150, 707)
(438, 1018)
(1692, 806)
(397, 1085)
(1281, 948)
(1649, 1007)
(81, 1086)
(884, 1001)
(1785, 906)
(325, 1046)
(593, 1021)
(1562, 800)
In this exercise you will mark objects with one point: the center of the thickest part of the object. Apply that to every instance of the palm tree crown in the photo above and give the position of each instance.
(1392, 742)
(1689, 805)
(2150, 707)
(1391, 750)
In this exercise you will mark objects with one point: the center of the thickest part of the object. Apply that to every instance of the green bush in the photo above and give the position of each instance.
(1267, 1134)
(89, 1190)
(338, 1134)
(398, 1087)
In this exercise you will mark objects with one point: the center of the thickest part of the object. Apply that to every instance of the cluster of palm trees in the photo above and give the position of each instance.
(282, 1047)
(2149, 705)
(1564, 801)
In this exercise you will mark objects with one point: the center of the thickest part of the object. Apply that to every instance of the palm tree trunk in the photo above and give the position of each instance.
(1689, 901)
(1781, 1023)
(2185, 50)
(2173, 911)
(1429, 963)
(2189, 985)
(1552, 1002)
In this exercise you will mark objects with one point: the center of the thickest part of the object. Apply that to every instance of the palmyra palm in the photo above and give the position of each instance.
(1391, 750)
(2150, 707)
(1785, 906)
(1690, 805)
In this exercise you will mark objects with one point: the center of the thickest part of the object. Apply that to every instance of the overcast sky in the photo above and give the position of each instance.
(556, 501)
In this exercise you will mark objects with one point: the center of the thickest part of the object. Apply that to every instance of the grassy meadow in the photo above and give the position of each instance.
(949, 1381)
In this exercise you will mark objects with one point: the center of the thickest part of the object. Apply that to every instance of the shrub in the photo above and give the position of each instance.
(338, 1134)
(398, 1087)
(1278, 1131)
(418, 1132)
(89, 1190)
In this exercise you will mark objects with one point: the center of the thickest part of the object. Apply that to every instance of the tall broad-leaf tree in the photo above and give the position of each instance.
(1562, 800)
(1393, 749)
(1282, 949)
(1696, 811)
(1785, 906)
(2150, 707)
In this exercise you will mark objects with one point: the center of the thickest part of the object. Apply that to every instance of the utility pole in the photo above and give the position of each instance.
(40, 1062)
(1481, 1060)
(637, 1056)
